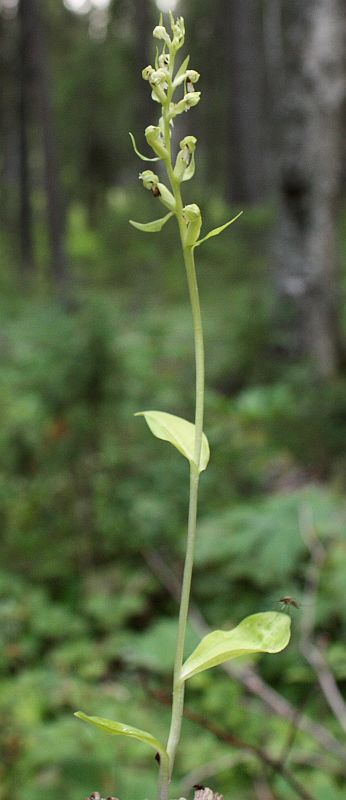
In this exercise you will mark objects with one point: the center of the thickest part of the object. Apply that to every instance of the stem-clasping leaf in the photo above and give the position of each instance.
(119, 729)
(151, 227)
(179, 432)
(216, 231)
(267, 632)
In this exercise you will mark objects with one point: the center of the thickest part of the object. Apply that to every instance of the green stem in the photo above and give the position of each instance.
(178, 684)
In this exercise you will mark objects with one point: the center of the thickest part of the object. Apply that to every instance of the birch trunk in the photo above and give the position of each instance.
(313, 94)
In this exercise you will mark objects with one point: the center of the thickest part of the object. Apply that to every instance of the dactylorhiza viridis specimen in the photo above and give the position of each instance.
(174, 90)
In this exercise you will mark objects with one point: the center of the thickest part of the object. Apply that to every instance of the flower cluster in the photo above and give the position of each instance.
(164, 82)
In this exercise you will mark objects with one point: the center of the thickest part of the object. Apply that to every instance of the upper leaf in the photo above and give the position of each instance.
(179, 432)
(267, 632)
(183, 67)
(119, 729)
(151, 227)
(216, 231)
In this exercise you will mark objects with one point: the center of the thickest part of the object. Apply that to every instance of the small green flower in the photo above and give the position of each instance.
(192, 75)
(158, 83)
(160, 32)
(153, 135)
(157, 77)
(164, 61)
(184, 157)
(192, 99)
(150, 180)
(188, 143)
(189, 100)
(147, 71)
(193, 219)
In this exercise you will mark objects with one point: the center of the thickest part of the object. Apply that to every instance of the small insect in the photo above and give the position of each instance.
(288, 602)
(156, 191)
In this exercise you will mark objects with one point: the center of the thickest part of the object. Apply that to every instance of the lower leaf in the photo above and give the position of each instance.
(119, 729)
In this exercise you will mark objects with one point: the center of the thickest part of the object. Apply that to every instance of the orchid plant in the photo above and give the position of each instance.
(267, 632)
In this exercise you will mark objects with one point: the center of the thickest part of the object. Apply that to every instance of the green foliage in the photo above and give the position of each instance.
(86, 493)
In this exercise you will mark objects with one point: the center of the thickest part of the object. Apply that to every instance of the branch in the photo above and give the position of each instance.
(313, 652)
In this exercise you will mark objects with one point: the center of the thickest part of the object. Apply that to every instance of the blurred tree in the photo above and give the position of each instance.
(242, 45)
(25, 80)
(312, 91)
(143, 23)
(8, 120)
(37, 46)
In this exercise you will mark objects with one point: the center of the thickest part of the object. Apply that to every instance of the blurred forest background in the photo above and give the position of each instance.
(95, 326)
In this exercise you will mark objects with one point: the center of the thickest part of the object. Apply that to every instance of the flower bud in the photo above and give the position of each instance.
(193, 219)
(154, 138)
(178, 30)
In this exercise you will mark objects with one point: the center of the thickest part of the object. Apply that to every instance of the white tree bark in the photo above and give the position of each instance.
(313, 94)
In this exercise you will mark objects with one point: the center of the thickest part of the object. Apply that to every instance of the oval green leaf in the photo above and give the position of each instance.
(268, 632)
(179, 432)
(216, 231)
(151, 227)
(140, 155)
(119, 729)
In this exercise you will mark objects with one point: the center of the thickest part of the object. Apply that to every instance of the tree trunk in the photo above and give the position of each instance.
(310, 175)
(242, 37)
(45, 121)
(25, 206)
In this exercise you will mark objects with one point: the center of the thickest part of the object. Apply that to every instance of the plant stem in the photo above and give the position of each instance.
(178, 684)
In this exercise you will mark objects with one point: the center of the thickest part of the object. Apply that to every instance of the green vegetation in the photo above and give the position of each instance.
(88, 497)
(93, 509)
